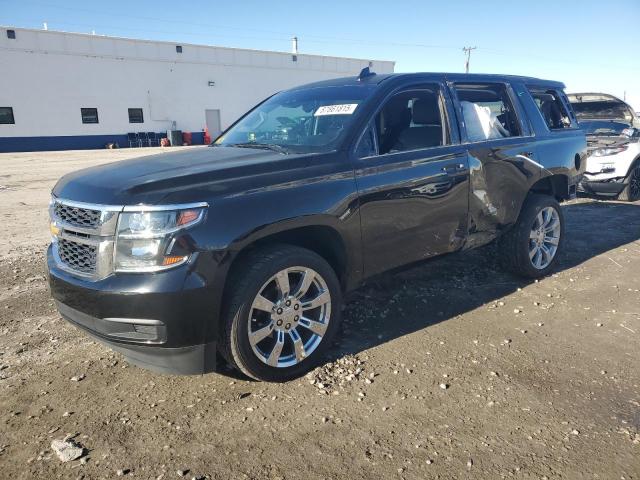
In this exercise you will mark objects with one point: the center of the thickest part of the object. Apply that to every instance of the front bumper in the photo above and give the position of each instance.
(164, 321)
(610, 188)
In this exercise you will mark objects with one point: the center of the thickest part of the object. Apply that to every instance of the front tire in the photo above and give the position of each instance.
(283, 311)
(532, 246)
(631, 192)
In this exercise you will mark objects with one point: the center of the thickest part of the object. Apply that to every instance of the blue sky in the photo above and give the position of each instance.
(590, 45)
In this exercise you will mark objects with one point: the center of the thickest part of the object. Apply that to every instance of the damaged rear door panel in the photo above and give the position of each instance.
(502, 170)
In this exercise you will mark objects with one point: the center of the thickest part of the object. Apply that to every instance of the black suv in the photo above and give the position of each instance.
(246, 248)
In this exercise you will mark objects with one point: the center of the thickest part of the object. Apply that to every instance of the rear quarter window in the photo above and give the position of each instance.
(553, 108)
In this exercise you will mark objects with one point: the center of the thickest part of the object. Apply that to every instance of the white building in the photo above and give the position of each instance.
(63, 90)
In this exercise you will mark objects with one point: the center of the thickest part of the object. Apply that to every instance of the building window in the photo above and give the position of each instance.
(89, 115)
(135, 115)
(6, 116)
(11, 34)
(178, 48)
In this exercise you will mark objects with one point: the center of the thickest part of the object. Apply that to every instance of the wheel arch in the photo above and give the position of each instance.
(321, 239)
(634, 163)
(556, 185)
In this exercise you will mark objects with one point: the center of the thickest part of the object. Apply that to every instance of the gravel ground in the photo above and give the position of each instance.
(452, 369)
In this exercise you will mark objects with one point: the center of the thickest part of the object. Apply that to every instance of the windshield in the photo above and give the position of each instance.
(601, 110)
(298, 121)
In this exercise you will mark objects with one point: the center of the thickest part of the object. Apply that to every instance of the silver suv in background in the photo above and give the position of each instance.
(613, 138)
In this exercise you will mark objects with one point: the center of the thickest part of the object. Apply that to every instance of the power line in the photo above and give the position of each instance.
(91, 26)
(557, 59)
(157, 19)
(304, 39)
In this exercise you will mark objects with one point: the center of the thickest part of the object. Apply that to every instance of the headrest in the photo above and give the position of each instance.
(552, 113)
(425, 111)
(397, 113)
(543, 97)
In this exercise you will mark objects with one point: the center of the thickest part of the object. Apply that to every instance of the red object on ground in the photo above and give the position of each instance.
(164, 142)
(186, 138)
(206, 138)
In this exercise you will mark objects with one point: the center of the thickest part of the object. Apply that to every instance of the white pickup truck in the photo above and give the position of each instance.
(613, 138)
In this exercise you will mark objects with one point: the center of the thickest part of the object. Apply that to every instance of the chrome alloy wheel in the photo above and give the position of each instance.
(289, 316)
(544, 237)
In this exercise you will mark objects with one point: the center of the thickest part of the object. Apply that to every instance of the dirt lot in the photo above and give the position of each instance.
(542, 378)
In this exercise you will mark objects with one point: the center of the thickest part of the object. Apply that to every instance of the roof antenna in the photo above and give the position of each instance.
(365, 73)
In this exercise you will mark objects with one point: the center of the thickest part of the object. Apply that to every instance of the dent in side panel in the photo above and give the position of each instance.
(501, 173)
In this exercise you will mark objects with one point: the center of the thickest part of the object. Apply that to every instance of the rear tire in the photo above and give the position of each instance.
(531, 247)
(283, 310)
(631, 192)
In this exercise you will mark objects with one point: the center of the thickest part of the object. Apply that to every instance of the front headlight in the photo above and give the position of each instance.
(605, 152)
(144, 238)
(53, 227)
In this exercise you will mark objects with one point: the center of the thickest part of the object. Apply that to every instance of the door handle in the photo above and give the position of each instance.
(454, 167)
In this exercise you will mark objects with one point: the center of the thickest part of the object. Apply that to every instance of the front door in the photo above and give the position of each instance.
(412, 181)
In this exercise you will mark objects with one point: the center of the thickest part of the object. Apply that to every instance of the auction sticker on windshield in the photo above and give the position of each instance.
(343, 109)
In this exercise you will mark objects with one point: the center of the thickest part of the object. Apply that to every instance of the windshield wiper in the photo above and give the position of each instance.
(274, 147)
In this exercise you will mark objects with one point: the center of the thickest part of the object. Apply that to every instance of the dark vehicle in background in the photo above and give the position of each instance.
(246, 248)
(613, 137)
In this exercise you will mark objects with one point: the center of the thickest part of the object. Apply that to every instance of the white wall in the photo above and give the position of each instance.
(48, 76)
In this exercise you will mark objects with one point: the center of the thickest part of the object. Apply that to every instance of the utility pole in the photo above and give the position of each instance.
(467, 51)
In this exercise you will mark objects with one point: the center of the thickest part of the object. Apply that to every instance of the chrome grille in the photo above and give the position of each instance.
(78, 256)
(84, 237)
(78, 217)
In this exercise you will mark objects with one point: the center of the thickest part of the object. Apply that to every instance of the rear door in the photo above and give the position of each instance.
(502, 155)
(413, 180)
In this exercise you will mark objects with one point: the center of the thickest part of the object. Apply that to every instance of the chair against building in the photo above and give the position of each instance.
(153, 139)
(144, 139)
(133, 140)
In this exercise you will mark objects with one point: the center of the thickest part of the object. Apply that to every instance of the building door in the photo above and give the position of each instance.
(213, 122)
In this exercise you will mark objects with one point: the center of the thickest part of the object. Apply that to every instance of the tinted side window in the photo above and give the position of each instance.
(410, 120)
(367, 145)
(551, 108)
(488, 111)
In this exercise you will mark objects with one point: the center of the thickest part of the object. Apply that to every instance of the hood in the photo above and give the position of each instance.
(601, 107)
(601, 133)
(604, 127)
(180, 176)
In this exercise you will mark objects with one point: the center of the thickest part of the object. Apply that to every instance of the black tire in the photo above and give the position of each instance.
(631, 192)
(246, 282)
(514, 244)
